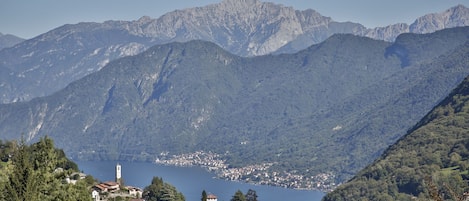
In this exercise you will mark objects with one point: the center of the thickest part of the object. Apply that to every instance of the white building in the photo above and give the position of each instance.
(118, 173)
(95, 195)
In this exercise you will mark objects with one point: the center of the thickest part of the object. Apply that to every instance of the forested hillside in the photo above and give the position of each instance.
(37, 172)
(331, 108)
(430, 162)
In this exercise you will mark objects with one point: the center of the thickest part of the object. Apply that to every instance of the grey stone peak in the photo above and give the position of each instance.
(453, 17)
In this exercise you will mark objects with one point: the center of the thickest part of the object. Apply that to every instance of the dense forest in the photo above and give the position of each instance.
(430, 162)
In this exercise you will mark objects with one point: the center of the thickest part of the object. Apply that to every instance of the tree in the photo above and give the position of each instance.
(159, 191)
(251, 195)
(32, 175)
(204, 196)
(238, 196)
(22, 183)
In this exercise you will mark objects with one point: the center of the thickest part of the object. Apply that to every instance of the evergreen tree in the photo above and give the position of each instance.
(238, 196)
(159, 191)
(22, 184)
(32, 175)
(45, 162)
(251, 195)
(204, 196)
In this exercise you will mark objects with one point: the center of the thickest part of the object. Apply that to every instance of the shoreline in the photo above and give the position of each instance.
(259, 174)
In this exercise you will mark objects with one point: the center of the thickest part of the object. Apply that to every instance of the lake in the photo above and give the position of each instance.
(191, 181)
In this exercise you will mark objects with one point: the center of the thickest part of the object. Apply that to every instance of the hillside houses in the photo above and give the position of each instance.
(111, 189)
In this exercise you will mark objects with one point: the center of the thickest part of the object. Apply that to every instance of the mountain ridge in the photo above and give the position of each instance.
(48, 62)
(183, 97)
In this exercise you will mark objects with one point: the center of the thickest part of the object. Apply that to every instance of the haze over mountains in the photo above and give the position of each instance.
(49, 62)
(332, 107)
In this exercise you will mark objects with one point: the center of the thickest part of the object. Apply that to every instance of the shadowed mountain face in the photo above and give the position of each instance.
(49, 62)
(330, 108)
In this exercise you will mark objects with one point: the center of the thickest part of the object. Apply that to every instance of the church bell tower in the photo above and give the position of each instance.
(118, 174)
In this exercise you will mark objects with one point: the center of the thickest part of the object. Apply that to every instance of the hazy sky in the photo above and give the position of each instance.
(29, 18)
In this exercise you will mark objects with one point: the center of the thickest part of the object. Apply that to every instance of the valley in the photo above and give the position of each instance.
(282, 110)
(251, 91)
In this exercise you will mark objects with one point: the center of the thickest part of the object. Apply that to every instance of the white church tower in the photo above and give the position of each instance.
(118, 174)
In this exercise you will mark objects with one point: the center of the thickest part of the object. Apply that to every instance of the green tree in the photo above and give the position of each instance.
(22, 184)
(44, 163)
(251, 195)
(159, 191)
(32, 175)
(238, 196)
(204, 196)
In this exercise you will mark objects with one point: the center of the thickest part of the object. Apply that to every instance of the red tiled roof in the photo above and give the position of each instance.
(111, 183)
(100, 187)
(211, 196)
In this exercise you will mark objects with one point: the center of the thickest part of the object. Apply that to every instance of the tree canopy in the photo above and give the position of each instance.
(158, 190)
(30, 173)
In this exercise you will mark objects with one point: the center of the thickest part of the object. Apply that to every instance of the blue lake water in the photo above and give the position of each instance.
(191, 181)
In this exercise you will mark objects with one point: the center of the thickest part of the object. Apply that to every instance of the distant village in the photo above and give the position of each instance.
(257, 174)
(112, 189)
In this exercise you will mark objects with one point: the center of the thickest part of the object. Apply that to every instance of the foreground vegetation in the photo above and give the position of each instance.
(431, 162)
(37, 172)
(159, 190)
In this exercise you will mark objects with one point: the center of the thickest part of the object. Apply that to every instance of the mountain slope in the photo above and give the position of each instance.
(49, 62)
(374, 118)
(8, 40)
(316, 111)
(434, 151)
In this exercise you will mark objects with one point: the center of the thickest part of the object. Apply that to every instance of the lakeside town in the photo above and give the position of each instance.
(256, 174)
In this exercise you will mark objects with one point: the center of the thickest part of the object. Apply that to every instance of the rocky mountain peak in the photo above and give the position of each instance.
(239, 3)
(453, 17)
(144, 19)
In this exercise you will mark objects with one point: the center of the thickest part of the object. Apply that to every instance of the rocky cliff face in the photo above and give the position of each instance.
(246, 28)
(457, 16)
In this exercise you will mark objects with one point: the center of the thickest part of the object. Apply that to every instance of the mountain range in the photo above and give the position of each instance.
(50, 61)
(332, 107)
(429, 163)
